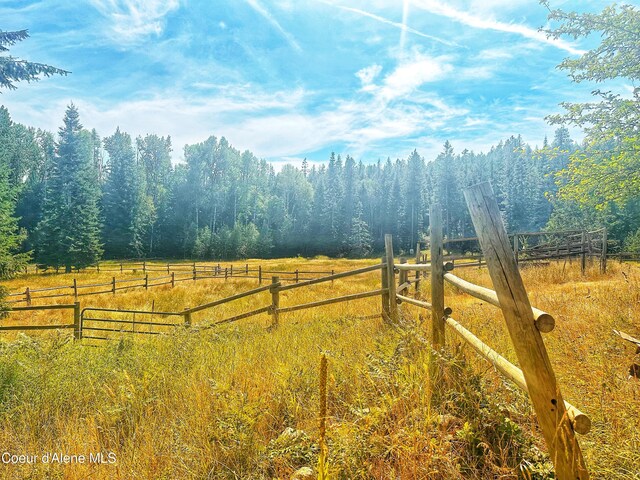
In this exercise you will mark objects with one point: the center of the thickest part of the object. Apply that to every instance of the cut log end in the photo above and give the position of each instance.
(545, 323)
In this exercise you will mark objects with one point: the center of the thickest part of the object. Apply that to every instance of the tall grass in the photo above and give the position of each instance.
(240, 401)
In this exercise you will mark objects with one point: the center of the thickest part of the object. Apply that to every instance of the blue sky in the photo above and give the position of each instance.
(291, 79)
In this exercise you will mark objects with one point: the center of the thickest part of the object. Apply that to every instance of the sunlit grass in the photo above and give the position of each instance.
(240, 401)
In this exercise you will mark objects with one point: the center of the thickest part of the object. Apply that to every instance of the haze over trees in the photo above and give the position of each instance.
(76, 198)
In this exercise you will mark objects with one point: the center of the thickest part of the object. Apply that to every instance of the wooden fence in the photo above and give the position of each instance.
(539, 246)
(559, 420)
(194, 273)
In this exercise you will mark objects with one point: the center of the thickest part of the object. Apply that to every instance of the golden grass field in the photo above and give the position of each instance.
(240, 401)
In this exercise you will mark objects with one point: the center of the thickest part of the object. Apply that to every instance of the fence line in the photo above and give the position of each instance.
(297, 276)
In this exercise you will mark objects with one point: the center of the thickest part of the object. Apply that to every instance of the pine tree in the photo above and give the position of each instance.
(69, 233)
(15, 70)
(127, 209)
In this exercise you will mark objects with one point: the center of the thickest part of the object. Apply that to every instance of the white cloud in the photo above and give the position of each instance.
(490, 23)
(132, 20)
(368, 74)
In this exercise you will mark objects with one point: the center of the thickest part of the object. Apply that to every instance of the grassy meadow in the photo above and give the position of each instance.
(240, 401)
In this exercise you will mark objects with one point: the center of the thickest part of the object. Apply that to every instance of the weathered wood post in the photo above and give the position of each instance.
(246, 269)
(27, 296)
(113, 285)
(173, 279)
(403, 275)
(168, 269)
(144, 266)
(187, 318)
(259, 274)
(603, 256)
(75, 289)
(77, 323)
(194, 272)
(231, 270)
(384, 282)
(275, 300)
(417, 284)
(121, 267)
(146, 281)
(437, 276)
(583, 254)
(530, 350)
(297, 276)
(391, 278)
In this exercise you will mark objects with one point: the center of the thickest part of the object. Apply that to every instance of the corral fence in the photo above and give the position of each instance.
(559, 420)
(194, 272)
(540, 247)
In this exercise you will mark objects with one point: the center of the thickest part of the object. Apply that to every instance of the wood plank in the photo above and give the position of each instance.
(530, 350)
(320, 303)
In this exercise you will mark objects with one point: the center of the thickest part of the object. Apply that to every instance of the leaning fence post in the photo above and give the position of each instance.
(77, 324)
(384, 281)
(275, 299)
(391, 275)
(437, 276)
(530, 350)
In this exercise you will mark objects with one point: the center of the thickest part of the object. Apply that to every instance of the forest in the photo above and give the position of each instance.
(73, 199)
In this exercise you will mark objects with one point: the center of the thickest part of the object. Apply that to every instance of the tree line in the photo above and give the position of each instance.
(71, 200)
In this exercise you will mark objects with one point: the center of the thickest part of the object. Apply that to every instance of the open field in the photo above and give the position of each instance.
(241, 401)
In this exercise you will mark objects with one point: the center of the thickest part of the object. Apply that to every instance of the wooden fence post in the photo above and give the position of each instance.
(27, 296)
(225, 273)
(403, 275)
(120, 267)
(173, 279)
(603, 256)
(297, 276)
(259, 274)
(583, 255)
(113, 285)
(417, 284)
(75, 289)
(77, 324)
(187, 318)
(437, 276)
(275, 299)
(391, 278)
(168, 269)
(246, 269)
(146, 281)
(144, 266)
(194, 272)
(384, 282)
(231, 270)
(530, 350)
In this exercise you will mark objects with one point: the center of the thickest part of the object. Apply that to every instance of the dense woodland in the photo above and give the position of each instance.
(78, 197)
(71, 198)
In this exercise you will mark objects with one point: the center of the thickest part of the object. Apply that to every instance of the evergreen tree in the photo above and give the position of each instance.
(126, 208)
(15, 70)
(69, 233)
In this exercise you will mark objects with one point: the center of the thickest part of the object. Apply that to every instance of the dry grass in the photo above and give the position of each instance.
(240, 401)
